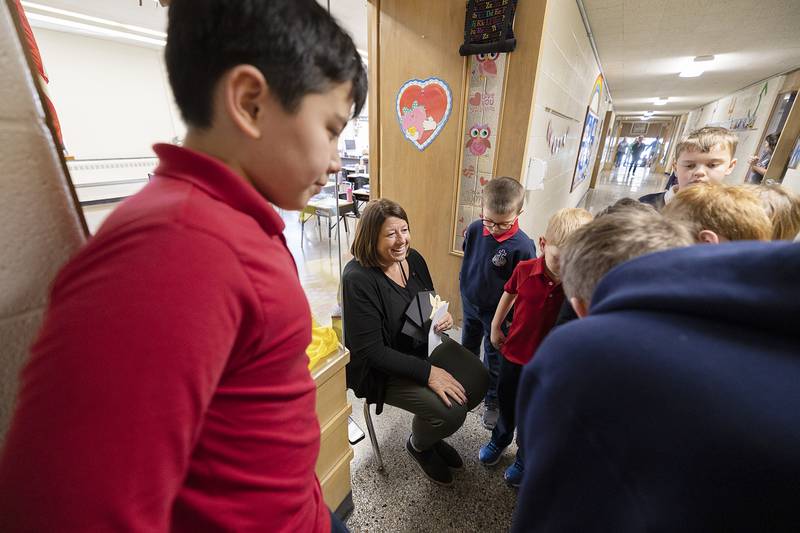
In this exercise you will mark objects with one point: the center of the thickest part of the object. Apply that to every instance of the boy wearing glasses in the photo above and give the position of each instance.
(536, 294)
(493, 246)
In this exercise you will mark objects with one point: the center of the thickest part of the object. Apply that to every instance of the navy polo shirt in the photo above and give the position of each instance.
(488, 264)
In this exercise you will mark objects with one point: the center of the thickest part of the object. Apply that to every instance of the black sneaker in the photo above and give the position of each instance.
(449, 455)
(431, 465)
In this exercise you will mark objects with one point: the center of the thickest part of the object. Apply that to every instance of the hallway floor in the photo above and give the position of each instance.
(616, 183)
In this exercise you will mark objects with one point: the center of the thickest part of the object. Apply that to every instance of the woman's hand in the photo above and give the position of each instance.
(444, 324)
(497, 337)
(446, 386)
(752, 159)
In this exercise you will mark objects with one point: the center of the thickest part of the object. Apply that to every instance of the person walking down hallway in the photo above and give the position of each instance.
(622, 148)
(637, 147)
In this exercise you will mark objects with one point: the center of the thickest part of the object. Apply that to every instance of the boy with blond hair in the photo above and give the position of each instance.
(493, 246)
(704, 156)
(535, 292)
(782, 207)
(719, 213)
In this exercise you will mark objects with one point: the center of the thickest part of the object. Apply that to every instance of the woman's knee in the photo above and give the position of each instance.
(449, 417)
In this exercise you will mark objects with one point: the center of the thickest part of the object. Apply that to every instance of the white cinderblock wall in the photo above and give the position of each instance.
(39, 224)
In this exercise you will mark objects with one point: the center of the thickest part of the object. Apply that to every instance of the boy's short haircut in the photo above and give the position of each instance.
(296, 44)
(562, 224)
(625, 203)
(732, 212)
(612, 239)
(705, 139)
(504, 196)
(782, 207)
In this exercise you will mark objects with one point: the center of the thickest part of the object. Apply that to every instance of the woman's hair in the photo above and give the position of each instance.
(772, 140)
(365, 244)
(782, 207)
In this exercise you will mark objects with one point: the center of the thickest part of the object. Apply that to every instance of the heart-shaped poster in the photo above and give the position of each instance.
(423, 107)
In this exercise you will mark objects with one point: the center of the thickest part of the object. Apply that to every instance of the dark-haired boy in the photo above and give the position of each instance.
(493, 246)
(169, 388)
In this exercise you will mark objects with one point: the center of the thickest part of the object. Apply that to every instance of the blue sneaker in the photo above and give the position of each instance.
(513, 474)
(490, 453)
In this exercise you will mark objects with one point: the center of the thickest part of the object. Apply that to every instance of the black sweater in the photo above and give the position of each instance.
(373, 311)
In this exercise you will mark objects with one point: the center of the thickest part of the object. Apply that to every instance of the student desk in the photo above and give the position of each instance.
(325, 207)
(333, 411)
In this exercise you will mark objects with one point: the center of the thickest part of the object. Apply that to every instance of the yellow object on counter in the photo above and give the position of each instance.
(323, 343)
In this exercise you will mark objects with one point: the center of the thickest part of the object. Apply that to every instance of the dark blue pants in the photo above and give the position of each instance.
(503, 432)
(337, 526)
(477, 327)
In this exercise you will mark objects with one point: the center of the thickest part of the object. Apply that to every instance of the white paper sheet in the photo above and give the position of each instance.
(435, 339)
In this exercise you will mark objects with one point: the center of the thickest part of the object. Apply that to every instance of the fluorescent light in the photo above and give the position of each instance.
(94, 30)
(692, 71)
(88, 18)
(661, 100)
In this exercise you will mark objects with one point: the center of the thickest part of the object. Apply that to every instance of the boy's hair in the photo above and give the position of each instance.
(564, 223)
(365, 244)
(704, 139)
(732, 212)
(607, 241)
(503, 196)
(782, 207)
(625, 203)
(772, 140)
(296, 44)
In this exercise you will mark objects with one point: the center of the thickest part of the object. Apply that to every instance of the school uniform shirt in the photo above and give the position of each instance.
(489, 261)
(169, 388)
(536, 309)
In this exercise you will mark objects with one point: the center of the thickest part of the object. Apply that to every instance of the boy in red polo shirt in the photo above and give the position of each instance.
(169, 389)
(534, 291)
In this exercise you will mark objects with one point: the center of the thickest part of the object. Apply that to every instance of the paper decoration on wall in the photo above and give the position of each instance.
(488, 27)
(597, 94)
(555, 142)
(588, 138)
(481, 122)
(423, 107)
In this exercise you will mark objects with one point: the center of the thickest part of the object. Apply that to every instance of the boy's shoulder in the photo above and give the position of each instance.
(655, 199)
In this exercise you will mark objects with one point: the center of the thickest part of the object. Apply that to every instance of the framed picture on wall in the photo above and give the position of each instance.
(638, 128)
(588, 137)
(794, 160)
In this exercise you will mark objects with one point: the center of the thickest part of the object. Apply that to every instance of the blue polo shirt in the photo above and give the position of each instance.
(489, 263)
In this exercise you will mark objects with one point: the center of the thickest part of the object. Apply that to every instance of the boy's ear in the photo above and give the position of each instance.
(731, 167)
(708, 237)
(580, 307)
(542, 243)
(245, 94)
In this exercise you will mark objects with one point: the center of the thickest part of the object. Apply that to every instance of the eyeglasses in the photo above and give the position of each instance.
(489, 223)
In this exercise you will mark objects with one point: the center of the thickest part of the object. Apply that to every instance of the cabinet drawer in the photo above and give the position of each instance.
(336, 485)
(333, 442)
(331, 397)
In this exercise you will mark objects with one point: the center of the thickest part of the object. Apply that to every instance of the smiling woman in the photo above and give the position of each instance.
(381, 289)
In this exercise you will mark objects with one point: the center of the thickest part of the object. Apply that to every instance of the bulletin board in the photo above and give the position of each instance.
(483, 97)
(588, 138)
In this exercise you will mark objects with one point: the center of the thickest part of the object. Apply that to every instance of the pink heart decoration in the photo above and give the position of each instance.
(475, 100)
(484, 181)
(423, 107)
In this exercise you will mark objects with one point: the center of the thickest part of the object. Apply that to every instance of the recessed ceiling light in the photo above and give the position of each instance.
(691, 71)
(704, 58)
(661, 100)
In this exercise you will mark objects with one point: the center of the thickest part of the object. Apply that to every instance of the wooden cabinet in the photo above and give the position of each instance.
(333, 410)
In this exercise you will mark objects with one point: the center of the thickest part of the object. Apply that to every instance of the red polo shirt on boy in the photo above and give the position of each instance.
(169, 389)
(536, 308)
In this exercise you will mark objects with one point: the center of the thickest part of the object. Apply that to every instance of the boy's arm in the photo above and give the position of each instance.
(113, 398)
(500, 314)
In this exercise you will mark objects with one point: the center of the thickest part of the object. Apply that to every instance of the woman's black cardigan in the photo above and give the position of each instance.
(372, 325)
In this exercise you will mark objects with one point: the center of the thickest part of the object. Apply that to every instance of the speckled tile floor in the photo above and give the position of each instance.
(402, 500)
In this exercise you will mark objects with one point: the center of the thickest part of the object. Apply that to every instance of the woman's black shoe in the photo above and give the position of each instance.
(449, 455)
(431, 465)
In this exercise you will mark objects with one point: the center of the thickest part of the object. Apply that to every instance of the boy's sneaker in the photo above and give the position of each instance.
(431, 465)
(449, 455)
(490, 415)
(513, 474)
(490, 453)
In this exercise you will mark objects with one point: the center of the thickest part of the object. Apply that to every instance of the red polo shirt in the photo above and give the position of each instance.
(536, 308)
(168, 389)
